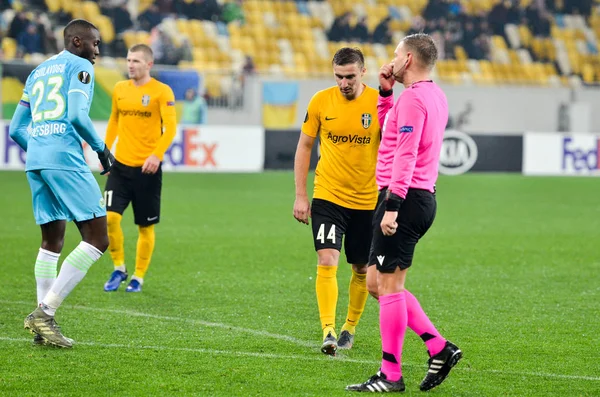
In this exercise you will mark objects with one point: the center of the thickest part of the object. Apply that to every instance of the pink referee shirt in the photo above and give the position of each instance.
(413, 130)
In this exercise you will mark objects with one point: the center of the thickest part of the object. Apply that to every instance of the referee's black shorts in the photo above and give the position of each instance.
(129, 185)
(415, 217)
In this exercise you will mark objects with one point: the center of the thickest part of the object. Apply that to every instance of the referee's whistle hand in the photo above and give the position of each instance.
(302, 209)
(388, 223)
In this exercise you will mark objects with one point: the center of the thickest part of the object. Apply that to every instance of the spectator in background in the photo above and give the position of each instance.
(360, 32)
(435, 9)
(382, 33)
(121, 18)
(417, 26)
(205, 10)
(194, 108)
(165, 7)
(18, 25)
(249, 67)
(438, 40)
(543, 27)
(150, 18)
(583, 7)
(481, 49)
(538, 20)
(514, 14)
(430, 27)
(498, 16)
(454, 8)
(163, 47)
(468, 40)
(49, 44)
(233, 11)
(340, 29)
(30, 41)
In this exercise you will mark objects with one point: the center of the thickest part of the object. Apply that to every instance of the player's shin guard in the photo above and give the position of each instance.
(72, 271)
(45, 272)
(357, 299)
(145, 247)
(327, 295)
(115, 238)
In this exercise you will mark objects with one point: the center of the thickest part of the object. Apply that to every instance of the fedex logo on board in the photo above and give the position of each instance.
(581, 153)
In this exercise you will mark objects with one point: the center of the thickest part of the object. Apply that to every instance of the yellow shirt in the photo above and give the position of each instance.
(144, 120)
(349, 133)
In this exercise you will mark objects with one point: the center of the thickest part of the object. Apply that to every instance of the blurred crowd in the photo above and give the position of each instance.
(32, 29)
(445, 20)
(451, 26)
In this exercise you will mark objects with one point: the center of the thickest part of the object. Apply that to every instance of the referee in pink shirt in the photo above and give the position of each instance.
(407, 169)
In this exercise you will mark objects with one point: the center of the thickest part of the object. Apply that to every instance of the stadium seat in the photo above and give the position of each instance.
(9, 48)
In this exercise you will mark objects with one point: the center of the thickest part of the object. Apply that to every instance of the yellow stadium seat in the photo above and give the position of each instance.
(460, 53)
(130, 38)
(106, 28)
(525, 35)
(213, 85)
(143, 38)
(53, 5)
(9, 48)
(90, 10)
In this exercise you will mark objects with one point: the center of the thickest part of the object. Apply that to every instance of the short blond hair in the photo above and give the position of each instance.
(143, 48)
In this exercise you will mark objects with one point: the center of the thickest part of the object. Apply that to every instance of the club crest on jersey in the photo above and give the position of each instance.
(145, 100)
(366, 119)
(84, 77)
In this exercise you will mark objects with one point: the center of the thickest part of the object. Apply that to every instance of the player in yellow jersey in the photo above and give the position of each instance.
(344, 117)
(143, 119)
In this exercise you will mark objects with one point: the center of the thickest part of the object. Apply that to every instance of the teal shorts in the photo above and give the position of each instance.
(65, 195)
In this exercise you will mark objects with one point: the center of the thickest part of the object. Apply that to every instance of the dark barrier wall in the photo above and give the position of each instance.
(280, 148)
(480, 152)
(460, 152)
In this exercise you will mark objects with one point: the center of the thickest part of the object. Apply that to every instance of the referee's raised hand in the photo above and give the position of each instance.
(386, 77)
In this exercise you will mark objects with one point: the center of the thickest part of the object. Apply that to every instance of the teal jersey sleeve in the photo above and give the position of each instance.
(81, 80)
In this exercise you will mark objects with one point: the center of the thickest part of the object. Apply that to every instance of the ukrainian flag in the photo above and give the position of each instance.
(280, 100)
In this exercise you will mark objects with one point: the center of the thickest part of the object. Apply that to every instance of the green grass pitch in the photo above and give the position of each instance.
(510, 271)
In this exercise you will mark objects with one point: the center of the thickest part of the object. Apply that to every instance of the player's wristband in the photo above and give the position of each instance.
(385, 94)
(393, 202)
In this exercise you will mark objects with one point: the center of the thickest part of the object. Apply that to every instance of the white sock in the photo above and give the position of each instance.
(121, 268)
(72, 271)
(45, 272)
(140, 280)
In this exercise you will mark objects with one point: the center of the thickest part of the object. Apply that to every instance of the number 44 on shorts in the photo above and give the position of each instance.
(330, 235)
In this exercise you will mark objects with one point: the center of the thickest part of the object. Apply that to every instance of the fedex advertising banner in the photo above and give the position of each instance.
(194, 149)
(561, 154)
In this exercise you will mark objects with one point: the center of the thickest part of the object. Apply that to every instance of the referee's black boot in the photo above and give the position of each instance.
(440, 366)
(378, 383)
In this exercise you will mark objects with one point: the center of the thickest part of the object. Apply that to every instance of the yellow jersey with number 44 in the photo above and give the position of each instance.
(349, 132)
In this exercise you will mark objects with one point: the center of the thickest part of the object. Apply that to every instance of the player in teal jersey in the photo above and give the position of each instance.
(49, 123)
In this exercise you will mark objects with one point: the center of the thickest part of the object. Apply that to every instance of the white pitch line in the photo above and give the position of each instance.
(268, 335)
(261, 333)
(307, 357)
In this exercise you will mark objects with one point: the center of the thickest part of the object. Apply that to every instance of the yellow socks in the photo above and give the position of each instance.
(327, 295)
(145, 247)
(357, 299)
(115, 238)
